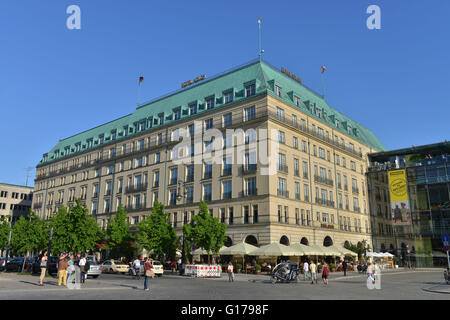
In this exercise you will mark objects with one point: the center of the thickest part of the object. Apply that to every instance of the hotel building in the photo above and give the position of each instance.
(317, 193)
(15, 201)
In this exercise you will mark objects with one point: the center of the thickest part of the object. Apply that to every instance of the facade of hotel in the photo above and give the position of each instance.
(317, 193)
(15, 201)
(417, 228)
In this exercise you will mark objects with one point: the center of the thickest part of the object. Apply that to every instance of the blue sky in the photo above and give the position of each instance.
(56, 82)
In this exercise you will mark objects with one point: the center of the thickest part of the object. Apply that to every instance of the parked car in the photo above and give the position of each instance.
(95, 269)
(158, 268)
(52, 266)
(16, 264)
(111, 266)
(3, 263)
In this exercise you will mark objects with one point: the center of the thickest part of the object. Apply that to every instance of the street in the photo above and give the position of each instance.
(399, 284)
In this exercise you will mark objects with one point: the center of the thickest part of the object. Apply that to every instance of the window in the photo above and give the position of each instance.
(352, 165)
(295, 142)
(321, 153)
(222, 215)
(161, 119)
(280, 114)
(255, 213)
(281, 137)
(226, 190)
(208, 124)
(305, 170)
(297, 191)
(250, 186)
(107, 205)
(173, 175)
(94, 207)
(157, 157)
(296, 167)
(156, 179)
(209, 103)
(294, 120)
(249, 113)
(192, 109)
(207, 192)
(207, 171)
(250, 90)
(282, 187)
(278, 91)
(227, 119)
(246, 214)
(160, 138)
(228, 97)
(304, 146)
(282, 162)
(280, 208)
(173, 197)
(297, 101)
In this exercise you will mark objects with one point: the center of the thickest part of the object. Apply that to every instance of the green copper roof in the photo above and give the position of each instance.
(262, 74)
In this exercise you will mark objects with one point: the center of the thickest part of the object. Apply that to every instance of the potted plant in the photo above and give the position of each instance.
(238, 267)
(333, 267)
(257, 269)
(319, 268)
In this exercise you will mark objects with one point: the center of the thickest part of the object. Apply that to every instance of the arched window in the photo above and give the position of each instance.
(284, 240)
(327, 241)
(383, 247)
(304, 241)
(251, 240)
(228, 242)
(346, 244)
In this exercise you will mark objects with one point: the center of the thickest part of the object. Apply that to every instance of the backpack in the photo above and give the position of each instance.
(87, 266)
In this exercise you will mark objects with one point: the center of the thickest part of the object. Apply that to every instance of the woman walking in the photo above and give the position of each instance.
(70, 268)
(147, 273)
(43, 260)
(325, 273)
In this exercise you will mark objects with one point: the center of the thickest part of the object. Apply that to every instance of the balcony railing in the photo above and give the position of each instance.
(283, 168)
(207, 197)
(283, 193)
(296, 172)
(248, 193)
(323, 180)
(207, 175)
(137, 188)
(325, 202)
(249, 168)
(355, 190)
(226, 195)
(172, 182)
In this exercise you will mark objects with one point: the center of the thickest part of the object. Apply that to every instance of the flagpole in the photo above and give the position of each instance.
(323, 87)
(139, 89)
(259, 33)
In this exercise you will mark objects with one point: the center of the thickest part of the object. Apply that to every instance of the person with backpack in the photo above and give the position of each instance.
(82, 264)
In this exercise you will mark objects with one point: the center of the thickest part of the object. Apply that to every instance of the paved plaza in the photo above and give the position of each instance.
(399, 284)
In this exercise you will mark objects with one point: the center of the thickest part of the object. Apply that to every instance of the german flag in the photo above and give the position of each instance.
(141, 79)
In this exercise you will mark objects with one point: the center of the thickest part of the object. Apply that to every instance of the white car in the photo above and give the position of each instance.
(111, 266)
(157, 268)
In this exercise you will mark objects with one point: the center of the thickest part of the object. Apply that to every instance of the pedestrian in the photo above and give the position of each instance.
(344, 267)
(82, 264)
(43, 263)
(305, 270)
(62, 269)
(376, 272)
(325, 272)
(230, 272)
(313, 268)
(147, 273)
(71, 267)
(137, 267)
(370, 272)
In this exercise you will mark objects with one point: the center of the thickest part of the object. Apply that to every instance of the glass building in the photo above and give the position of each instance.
(409, 198)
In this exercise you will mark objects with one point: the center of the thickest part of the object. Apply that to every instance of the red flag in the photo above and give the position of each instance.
(323, 69)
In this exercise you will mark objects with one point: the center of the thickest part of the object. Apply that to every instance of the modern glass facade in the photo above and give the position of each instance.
(414, 234)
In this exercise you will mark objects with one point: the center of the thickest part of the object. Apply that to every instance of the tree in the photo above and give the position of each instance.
(118, 237)
(74, 229)
(156, 233)
(205, 231)
(4, 232)
(357, 249)
(29, 234)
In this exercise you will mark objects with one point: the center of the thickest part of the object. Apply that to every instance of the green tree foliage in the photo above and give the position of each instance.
(29, 234)
(205, 231)
(74, 229)
(118, 237)
(357, 249)
(4, 231)
(156, 233)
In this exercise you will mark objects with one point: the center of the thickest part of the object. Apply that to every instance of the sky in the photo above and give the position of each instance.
(56, 82)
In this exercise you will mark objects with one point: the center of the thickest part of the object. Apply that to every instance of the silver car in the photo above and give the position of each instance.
(94, 268)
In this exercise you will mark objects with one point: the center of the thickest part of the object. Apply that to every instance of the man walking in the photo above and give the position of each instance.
(305, 270)
(313, 268)
(230, 272)
(344, 267)
(81, 264)
(62, 269)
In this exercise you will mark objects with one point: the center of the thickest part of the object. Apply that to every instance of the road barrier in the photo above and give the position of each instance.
(202, 270)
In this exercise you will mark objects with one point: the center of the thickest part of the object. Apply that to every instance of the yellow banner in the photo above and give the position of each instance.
(398, 188)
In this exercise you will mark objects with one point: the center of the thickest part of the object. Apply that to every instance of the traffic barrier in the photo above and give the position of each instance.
(201, 270)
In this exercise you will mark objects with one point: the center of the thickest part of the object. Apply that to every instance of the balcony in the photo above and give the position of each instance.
(133, 209)
(339, 185)
(137, 188)
(226, 195)
(248, 193)
(207, 175)
(325, 202)
(283, 168)
(249, 169)
(227, 171)
(283, 193)
(323, 180)
(355, 190)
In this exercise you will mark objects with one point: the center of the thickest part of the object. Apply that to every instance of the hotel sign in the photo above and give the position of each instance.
(293, 76)
(189, 82)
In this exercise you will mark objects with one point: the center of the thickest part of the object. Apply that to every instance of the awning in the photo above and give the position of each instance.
(239, 249)
(276, 249)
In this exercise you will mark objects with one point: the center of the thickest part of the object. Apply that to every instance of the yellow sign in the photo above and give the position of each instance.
(293, 76)
(397, 186)
(189, 82)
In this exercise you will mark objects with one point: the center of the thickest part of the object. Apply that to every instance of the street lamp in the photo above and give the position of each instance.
(179, 197)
